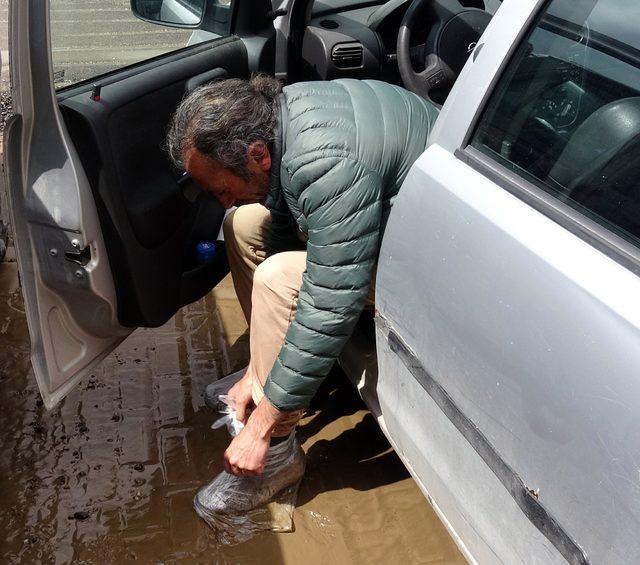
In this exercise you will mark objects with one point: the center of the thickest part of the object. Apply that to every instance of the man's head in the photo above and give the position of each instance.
(221, 134)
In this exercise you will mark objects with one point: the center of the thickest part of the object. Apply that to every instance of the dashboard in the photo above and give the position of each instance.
(358, 39)
(350, 41)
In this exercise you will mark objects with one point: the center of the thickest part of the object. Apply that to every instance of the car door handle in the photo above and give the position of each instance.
(205, 78)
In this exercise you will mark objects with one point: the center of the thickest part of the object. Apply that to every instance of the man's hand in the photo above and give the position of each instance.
(247, 453)
(242, 398)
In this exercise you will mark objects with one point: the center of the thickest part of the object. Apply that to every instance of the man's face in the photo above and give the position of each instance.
(229, 188)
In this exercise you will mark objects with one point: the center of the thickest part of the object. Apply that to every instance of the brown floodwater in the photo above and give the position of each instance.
(109, 475)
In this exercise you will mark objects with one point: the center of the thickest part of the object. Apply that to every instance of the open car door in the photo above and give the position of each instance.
(104, 232)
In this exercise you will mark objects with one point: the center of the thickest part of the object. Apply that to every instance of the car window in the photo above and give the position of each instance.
(492, 6)
(566, 113)
(92, 38)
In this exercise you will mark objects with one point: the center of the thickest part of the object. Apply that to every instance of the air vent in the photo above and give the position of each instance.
(329, 24)
(347, 55)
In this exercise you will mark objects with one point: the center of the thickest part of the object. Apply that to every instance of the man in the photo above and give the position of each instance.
(314, 170)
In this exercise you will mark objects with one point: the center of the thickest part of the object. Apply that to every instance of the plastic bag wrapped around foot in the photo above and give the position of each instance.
(237, 508)
(221, 387)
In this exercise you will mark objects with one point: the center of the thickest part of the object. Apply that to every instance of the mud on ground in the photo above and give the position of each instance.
(108, 477)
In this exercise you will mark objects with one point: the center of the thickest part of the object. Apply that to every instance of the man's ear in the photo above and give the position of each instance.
(259, 153)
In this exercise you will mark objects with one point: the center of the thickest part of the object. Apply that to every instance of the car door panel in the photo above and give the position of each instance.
(150, 227)
(508, 342)
(105, 236)
(53, 215)
(205, 78)
(479, 512)
(526, 327)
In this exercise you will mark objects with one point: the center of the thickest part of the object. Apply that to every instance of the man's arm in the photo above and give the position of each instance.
(342, 207)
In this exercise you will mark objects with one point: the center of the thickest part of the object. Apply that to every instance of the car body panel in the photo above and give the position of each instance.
(478, 510)
(532, 333)
(554, 396)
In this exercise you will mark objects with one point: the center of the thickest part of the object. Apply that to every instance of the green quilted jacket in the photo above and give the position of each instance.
(347, 145)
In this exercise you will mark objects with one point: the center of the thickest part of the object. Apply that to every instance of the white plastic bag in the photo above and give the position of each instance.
(228, 416)
(221, 387)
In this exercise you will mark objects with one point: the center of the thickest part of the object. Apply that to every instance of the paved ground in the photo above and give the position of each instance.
(4, 42)
(108, 477)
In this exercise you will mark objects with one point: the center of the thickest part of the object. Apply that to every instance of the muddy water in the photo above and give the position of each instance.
(108, 477)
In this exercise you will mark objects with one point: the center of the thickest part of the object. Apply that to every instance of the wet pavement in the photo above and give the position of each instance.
(109, 475)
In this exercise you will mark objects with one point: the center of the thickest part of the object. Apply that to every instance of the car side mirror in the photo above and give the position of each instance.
(174, 13)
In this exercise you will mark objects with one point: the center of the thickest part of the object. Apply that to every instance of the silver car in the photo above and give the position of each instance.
(503, 361)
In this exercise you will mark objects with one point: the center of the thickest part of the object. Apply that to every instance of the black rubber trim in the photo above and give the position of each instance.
(599, 41)
(525, 498)
(594, 233)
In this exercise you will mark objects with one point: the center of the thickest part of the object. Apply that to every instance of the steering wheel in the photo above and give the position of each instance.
(452, 35)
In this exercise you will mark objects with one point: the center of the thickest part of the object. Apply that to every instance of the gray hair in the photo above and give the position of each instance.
(222, 119)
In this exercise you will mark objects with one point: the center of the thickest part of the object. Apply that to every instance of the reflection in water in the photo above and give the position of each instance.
(109, 476)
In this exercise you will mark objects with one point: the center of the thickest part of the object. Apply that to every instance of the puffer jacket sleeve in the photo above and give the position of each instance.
(343, 228)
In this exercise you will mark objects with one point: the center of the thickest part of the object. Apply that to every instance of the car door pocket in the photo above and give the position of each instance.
(197, 281)
(205, 78)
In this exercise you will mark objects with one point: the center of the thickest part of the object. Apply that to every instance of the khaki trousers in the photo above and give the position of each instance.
(267, 282)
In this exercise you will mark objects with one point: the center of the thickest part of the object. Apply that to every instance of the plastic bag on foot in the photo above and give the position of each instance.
(221, 387)
(237, 508)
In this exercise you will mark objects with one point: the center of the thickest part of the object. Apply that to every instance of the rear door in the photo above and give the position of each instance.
(105, 228)
(509, 327)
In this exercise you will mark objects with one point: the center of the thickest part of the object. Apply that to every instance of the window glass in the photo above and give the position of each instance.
(566, 113)
(492, 6)
(91, 37)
